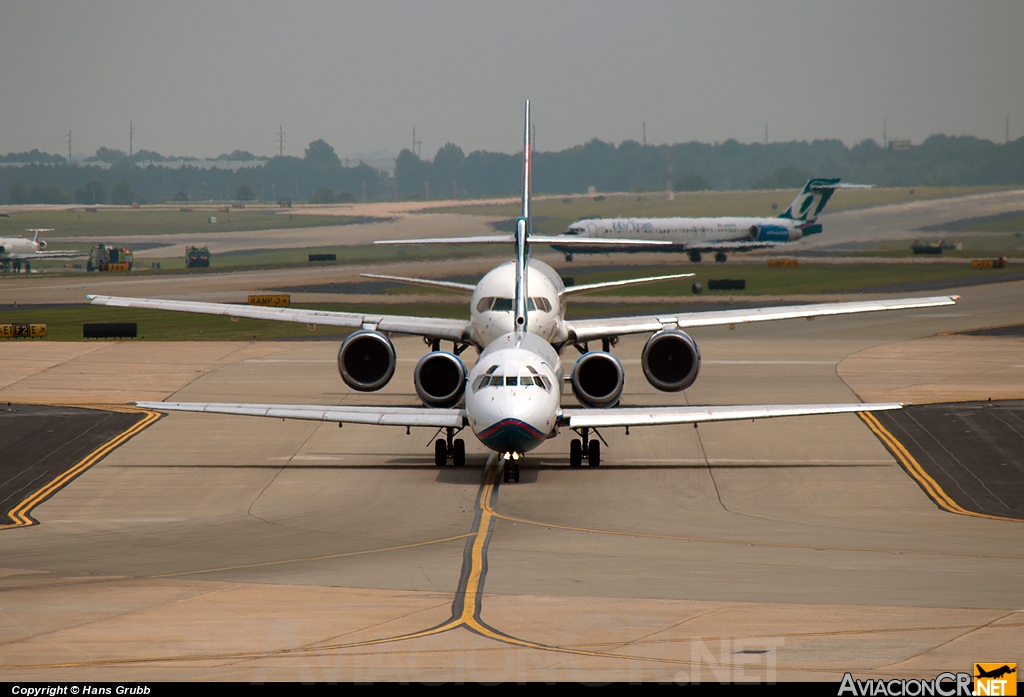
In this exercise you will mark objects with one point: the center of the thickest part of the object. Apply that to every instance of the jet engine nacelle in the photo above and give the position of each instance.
(597, 379)
(440, 379)
(755, 232)
(671, 360)
(366, 360)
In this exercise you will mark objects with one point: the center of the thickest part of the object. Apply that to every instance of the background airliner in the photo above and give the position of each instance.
(696, 236)
(15, 251)
(512, 397)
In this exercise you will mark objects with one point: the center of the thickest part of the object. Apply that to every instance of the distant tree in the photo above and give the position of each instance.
(691, 182)
(122, 195)
(148, 156)
(107, 155)
(324, 195)
(17, 194)
(47, 194)
(92, 193)
(238, 156)
(345, 197)
(245, 193)
(320, 154)
(180, 196)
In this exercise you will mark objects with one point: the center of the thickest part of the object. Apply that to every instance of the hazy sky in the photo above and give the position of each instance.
(202, 78)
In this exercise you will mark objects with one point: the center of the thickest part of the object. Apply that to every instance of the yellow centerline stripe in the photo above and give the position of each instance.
(20, 514)
(926, 482)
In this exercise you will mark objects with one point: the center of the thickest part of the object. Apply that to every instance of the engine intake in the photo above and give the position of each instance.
(440, 379)
(366, 360)
(755, 232)
(597, 379)
(671, 360)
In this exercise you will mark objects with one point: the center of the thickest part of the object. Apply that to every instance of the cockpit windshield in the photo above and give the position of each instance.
(489, 379)
(490, 304)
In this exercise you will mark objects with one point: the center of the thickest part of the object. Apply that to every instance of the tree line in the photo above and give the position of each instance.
(320, 177)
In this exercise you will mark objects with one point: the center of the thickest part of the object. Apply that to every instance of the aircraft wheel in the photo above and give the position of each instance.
(695, 257)
(459, 452)
(576, 453)
(440, 453)
(515, 472)
(720, 257)
(594, 453)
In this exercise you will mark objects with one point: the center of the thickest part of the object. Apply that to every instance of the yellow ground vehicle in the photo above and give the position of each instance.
(104, 257)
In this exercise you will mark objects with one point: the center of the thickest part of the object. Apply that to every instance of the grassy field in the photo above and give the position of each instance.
(290, 258)
(807, 279)
(116, 222)
(551, 216)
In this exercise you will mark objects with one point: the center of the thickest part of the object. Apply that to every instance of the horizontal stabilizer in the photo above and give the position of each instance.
(588, 287)
(429, 282)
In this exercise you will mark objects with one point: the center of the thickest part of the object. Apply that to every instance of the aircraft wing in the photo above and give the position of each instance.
(591, 329)
(38, 256)
(434, 327)
(660, 416)
(381, 416)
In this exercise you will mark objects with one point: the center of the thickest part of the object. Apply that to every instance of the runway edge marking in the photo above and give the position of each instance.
(917, 472)
(21, 513)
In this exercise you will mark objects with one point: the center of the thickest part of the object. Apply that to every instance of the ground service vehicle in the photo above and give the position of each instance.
(105, 257)
(197, 257)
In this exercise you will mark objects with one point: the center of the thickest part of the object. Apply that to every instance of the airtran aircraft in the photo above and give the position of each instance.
(697, 236)
(511, 400)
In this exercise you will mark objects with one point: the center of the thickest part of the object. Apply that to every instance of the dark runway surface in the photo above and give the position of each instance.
(38, 443)
(973, 450)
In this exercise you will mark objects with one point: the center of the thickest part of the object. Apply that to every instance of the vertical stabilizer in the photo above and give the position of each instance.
(809, 202)
(523, 233)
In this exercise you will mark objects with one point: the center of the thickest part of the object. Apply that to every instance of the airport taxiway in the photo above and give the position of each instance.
(218, 547)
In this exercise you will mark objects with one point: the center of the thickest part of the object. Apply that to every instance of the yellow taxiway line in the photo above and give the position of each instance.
(21, 513)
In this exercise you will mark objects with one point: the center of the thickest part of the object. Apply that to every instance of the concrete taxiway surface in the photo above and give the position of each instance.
(217, 547)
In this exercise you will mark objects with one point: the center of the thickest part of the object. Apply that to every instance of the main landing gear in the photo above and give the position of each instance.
(578, 449)
(694, 257)
(456, 449)
(510, 472)
(720, 257)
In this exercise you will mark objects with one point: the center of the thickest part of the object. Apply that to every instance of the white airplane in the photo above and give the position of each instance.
(15, 251)
(696, 236)
(511, 400)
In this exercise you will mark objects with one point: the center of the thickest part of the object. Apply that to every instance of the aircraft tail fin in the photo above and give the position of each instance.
(523, 233)
(809, 202)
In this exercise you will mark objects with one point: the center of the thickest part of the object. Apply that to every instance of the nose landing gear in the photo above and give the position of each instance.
(456, 449)
(510, 472)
